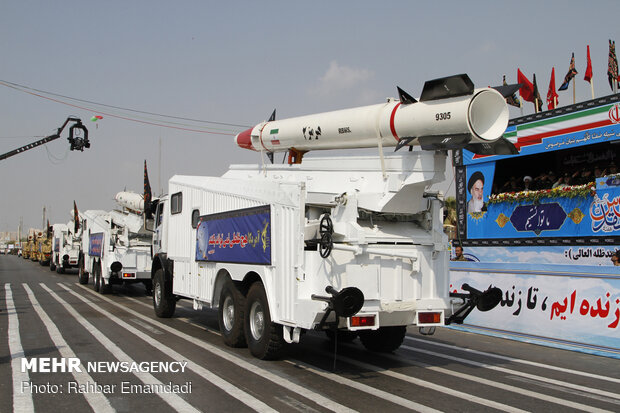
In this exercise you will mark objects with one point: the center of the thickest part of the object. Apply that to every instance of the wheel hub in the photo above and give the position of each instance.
(228, 313)
(257, 321)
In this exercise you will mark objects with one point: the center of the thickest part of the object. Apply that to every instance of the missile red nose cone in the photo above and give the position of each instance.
(244, 139)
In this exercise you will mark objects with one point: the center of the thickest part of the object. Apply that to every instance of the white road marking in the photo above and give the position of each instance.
(516, 360)
(97, 401)
(432, 386)
(174, 400)
(508, 387)
(517, 373)
(229, 388)
(409, 404)
(22, 401)
(266, 374)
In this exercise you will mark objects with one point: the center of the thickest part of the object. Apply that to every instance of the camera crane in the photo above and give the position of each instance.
(76, 140)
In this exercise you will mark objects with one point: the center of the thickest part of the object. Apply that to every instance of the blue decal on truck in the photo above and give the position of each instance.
(240, 236)
(95, 242)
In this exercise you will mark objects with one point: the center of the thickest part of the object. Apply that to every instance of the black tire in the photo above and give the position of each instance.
(164, 302)
(344, 336)
(230, 315)
(263, 337)
(82, 274)
(104, 286)
(96, 277)
(383, 340)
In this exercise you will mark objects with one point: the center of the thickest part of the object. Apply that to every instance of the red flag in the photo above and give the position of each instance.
(588, 75)
(552, 96)
(527, 90)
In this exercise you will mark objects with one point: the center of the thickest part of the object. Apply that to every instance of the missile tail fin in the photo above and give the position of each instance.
(502, 146)
(405, 98)
(441, 142)
(447, 87)
(273, 116)
(403, 142)
(508, 90)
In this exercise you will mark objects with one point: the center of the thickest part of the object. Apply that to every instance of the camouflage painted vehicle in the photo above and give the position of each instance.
(43, 249)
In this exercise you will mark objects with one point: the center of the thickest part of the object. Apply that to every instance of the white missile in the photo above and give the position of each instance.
(130, 200)
(450, 114)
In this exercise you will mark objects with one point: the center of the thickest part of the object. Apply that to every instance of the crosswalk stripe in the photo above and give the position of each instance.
(409, 404)
(22, 401)
(516, 360)
(513, 372)
(174, 400)
(439, 388)
(96, 400)
(229, 388)
(265, 374)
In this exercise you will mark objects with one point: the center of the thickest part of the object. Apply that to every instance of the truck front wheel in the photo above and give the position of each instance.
(383, 340)
(164, 302)
(82, 274)
(104, 285)
(230, 315)
(96, 277)
(264, 338)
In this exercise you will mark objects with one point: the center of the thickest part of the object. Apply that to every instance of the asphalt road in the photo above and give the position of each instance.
(47, 317)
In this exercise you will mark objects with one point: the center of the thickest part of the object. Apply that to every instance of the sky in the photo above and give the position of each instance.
(234, 62)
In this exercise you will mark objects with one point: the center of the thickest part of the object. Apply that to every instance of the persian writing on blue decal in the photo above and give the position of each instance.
(605, 214)
(95, 243)
(538, 217)
(239, 236)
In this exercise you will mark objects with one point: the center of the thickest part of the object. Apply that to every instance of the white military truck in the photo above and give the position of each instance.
(65, 248)
(116, 247)
(352, 244)
(265, 244)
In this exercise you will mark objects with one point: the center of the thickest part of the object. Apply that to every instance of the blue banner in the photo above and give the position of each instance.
(95, 243)
(242, 236)
(595, 213)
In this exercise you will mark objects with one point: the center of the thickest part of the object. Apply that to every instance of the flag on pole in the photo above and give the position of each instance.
(527, 90)
(512, 100)
(588, 75)
(552, 96)
(612, 65)
(537, 99)
(148, 196)
(571, 73)
(76, 219)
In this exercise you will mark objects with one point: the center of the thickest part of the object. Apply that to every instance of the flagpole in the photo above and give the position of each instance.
(592, 87)
(574, 94)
